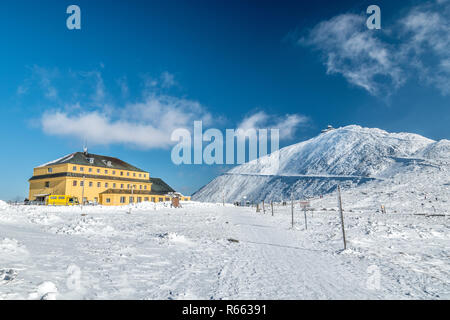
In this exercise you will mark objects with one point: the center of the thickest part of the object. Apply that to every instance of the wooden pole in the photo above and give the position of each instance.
(342, 216)
(264, 208)
(271, 205)
(306, 222)
(292, 210)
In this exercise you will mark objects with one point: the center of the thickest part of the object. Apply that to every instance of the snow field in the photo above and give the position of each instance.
(158, 252)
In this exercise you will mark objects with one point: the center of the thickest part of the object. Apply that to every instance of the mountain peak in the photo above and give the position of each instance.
(352, 154)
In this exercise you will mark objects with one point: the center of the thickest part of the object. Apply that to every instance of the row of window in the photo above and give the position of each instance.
(107, 185)
(138, 199)
(106, 171)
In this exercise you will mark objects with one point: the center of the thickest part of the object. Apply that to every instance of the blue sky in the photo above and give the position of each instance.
(138, 69)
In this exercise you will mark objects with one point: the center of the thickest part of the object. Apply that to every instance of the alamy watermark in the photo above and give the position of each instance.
(374, 21)
(224, 149)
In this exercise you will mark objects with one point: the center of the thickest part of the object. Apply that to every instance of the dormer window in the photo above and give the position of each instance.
(91, 160)
(107, 163)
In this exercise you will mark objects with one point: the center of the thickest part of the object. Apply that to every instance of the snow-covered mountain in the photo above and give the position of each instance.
(350, 156)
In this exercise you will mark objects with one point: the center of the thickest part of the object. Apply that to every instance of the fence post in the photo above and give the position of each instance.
(292, 210)
(342, 216)
(271, 205)
(264, 208)
(306, 222)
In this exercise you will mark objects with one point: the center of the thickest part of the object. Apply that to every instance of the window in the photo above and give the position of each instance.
(145, 187)
(81, 169)
(98, 170)
(167, 199)
(134, 174)
(50, 170)
(81, 183)
(139, 199)
(90, 169)
(108, 200)
(128, 186)
(153, 199)
(131, 199)
(47, 184)
(128, 174)
(75, 183)
(74, 168)
(121, 186)
(106, 185)
(161, 199)
(122, 199)
(114, 172)
(53, 198)
(121, 173)
(91, 184)
(91, 160)
(61, 198)
(98, 185)
(106, 171)
(114, 185)
(140, 175)
(146, 199)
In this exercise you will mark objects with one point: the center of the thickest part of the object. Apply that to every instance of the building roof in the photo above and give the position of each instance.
(160, 187)
(89, 159)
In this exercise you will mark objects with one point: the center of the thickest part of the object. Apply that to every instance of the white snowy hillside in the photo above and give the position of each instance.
(349, 156)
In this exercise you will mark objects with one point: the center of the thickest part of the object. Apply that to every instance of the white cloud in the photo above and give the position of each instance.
(427, 28)
(287, 124)
(381, 61)
(352, 50)
(145, 125)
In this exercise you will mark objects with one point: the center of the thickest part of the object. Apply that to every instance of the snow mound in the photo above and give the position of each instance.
(3, 205)
(85, 225)
(45, 291)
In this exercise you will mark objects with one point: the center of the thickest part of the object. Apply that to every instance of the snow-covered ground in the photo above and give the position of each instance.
(158, 252)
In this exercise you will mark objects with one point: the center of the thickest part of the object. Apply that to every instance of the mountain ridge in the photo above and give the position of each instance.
(349, 155)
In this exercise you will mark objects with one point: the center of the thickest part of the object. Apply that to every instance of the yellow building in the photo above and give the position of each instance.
(98, 179)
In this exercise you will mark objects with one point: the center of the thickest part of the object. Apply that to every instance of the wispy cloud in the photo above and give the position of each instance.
(43, 78)
(350, 49)
(167, 80)
(287, 124)
(86, 110)
(381, 61)
(427, 28)
(145, 125)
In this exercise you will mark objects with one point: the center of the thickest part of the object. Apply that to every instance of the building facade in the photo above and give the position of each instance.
(97, 179)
